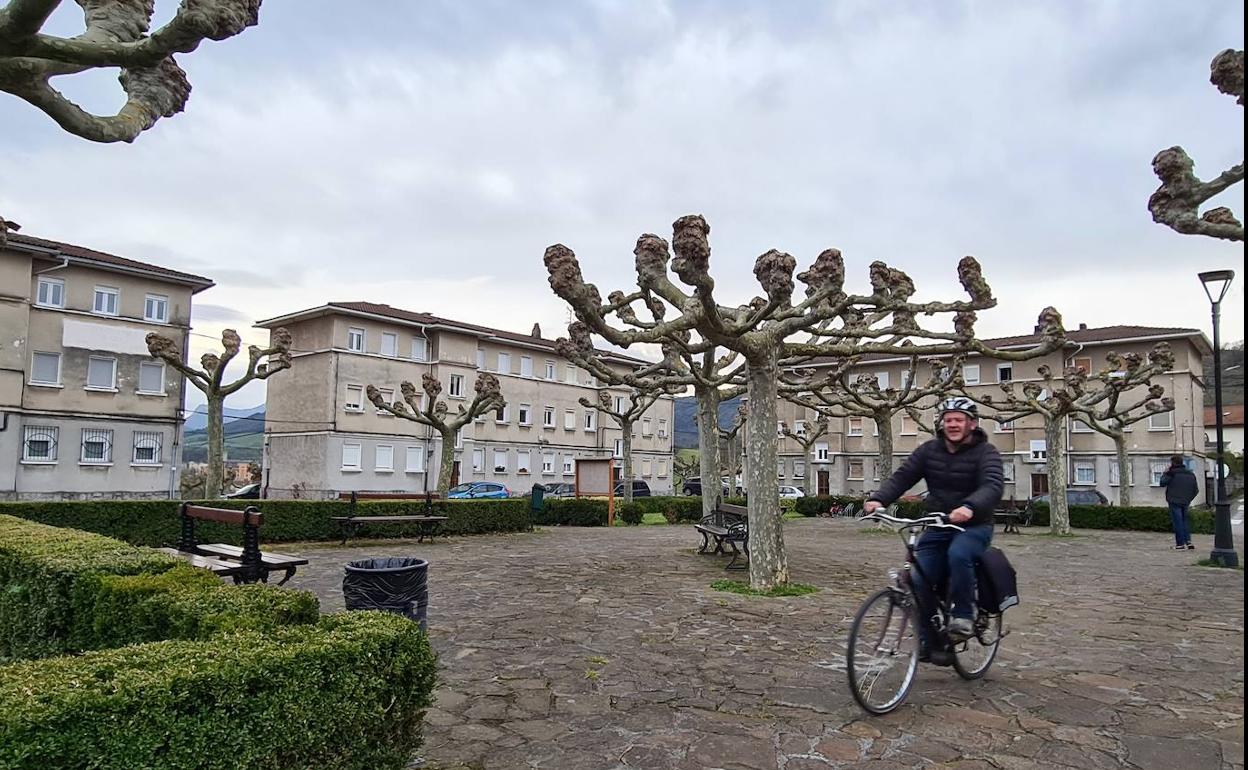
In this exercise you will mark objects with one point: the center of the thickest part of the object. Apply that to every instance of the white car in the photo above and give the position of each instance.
(790, 493)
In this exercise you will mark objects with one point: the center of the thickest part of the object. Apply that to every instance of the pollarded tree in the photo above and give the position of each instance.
(434, 413)
(830, 321)
(1176, 203)
(262, 363)
(115, 37)
(638, 403)
(730, 458)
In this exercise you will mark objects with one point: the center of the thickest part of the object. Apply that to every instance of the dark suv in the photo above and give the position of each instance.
(640, 488)
(1073, 497)
(693, 486)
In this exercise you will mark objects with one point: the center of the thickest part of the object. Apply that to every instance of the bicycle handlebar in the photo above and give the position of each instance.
(940, 520)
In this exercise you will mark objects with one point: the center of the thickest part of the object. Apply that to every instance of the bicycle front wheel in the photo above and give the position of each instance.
(972, 658)
(882, 655)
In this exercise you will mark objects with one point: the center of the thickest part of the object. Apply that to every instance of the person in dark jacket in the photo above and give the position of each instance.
(964, 480)
(1181, 490)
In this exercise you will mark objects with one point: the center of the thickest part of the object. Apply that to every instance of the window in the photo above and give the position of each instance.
(548, 417)
(908, 426)
(906, 375)
(355, 339)
(51, 293)
(569, 420)
(799, 429)
(101, 373)
(591, 419)
(459, 439)
(387, 397)
(662, 428)
(548, 465)
(568, 467)
(480, 359)
(478, 460)
(856, 469)
(619, 448)
(146, 448)
(1082, 363)
(39, 444)
(1039, 450)
(156, 308)
(420, 349)
(105, 300)
(821, 452)
(1085, 472)
(524, 461)
(383, 458)
(97, 446)
(415, 460)
(1005, 426)
(526, 414)
(1007, 471)
(619, 404)
(456, 387)
(881, 379)
(1115, 474)
(780, 428)
(351, 453)
(504, 363)
(970, 374)
(152, 377)
(646, 430)
(550, 370)
(662, 469)
(854, 426)
(502, 416)
(500, 460)
(1155, 470)
(780, 467)
(1079, 426)
(354, 402)
(569, 375)
(1161, 421)
(799, 469)
(45, 369)
(1005, 372)
(647, 468)
(526, 366)
(389, 344)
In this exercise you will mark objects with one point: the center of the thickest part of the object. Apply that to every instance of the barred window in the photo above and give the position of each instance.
(97, 445)
(146, 447)
(39, 444)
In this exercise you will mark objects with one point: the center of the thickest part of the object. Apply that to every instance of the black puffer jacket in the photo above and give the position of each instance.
(1180, 484)
(971, 476)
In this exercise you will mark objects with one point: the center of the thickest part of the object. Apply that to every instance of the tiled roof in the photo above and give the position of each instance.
(1232, 415)
(79, 252)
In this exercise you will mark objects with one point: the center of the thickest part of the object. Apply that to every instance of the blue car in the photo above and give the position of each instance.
(478, 490)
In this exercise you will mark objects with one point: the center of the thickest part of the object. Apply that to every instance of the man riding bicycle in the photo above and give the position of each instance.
(963, 475)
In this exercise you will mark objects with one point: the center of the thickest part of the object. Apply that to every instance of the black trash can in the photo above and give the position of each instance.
(538, 495)
(397, 584)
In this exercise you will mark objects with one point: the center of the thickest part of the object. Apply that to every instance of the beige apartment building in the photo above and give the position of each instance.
(323, 437)
(844, 460)
(85, 412)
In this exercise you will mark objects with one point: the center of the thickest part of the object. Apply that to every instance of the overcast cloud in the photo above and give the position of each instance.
(425, 154)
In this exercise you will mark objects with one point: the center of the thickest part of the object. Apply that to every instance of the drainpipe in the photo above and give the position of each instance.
(64, 263)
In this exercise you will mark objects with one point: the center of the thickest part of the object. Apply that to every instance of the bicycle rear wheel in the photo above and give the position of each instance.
(972, 658)
(882, 655)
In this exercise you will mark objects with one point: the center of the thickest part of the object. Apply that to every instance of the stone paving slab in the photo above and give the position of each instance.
(584, 648)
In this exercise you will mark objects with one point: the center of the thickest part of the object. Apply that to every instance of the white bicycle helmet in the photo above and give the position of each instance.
(959, 404)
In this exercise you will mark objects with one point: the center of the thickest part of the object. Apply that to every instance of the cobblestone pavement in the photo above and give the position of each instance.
(580, 649)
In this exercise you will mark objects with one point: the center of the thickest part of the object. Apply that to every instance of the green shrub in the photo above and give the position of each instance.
(346, 693)
(1141, 518)
(573, 512)
(631, 514)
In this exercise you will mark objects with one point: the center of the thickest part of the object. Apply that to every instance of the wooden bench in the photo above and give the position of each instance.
(245, 564)
(1011, 519)
(726, 526)
(427, 525)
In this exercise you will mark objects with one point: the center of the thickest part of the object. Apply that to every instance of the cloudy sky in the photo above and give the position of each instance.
(424, 154)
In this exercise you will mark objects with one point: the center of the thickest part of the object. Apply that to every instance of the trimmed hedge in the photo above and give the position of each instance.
(155, 522)
(816, 505)
(347, 693)
(572, 512)
(62, 590)
(1136, 517)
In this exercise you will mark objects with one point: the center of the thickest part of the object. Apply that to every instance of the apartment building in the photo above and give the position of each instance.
(323, 437)
(85, 412)
(844, 460)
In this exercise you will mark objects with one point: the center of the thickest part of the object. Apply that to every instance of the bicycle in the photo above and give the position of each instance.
(884, 631)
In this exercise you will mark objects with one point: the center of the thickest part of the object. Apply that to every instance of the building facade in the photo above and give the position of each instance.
(323, 437)
(86, 411)
(844, 460)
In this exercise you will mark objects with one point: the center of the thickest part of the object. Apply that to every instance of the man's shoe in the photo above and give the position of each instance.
(960, 629)
(1180, 548)
(1191, 547)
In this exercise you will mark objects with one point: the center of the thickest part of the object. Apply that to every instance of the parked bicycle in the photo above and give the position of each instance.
(882, 657)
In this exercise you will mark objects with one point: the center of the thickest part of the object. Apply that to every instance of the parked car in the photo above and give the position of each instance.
(640, 488)
(693, 486)
(248, 492)
(1073, 497)
(790, 493)
(561, 489)
(478, 490)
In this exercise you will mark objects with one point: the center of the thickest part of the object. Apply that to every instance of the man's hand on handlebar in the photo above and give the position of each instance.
(871, 506)
(960, 515)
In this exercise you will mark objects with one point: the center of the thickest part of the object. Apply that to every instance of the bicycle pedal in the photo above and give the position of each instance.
(941, 658)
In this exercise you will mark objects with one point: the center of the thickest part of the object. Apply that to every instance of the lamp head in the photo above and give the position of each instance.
(1216, 282)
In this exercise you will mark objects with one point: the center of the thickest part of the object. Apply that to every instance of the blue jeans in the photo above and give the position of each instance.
(1178, 519)
(947, 558)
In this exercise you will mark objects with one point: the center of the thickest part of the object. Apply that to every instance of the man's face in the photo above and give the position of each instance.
(957, 426)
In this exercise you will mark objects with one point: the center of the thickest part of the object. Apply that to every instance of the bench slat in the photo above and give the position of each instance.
(205, 562)
(267, 558)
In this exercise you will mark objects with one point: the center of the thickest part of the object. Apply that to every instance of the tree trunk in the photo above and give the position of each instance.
(446, 467)
(627, 471)
(1055, 447)
(884, 427)
(214, 480)
(708, 447)
(1124, 470)
(769, 566)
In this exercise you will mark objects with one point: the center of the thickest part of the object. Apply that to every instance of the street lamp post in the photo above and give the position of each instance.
(1216, 282)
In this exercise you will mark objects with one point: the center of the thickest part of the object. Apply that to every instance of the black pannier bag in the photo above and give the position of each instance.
(997, 582)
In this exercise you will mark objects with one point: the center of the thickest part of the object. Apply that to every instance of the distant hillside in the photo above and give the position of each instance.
(244, 437)
(197, 419)
(1232, 375)
(685, 433)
